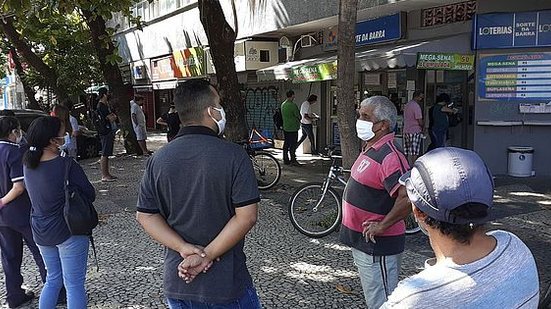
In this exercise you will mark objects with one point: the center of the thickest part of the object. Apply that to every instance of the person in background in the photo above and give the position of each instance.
(69, 147)
(65, 255)
(138, 123)
(374, 203)
(172, 121)
(198, 197)
(15, 212)
(451, 192)
(107, 134)
(413, 126)
(291, 125)
(75, 127)
(440, 123)
(306, 122)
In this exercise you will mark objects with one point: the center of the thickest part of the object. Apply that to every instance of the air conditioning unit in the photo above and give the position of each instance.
(307, 40)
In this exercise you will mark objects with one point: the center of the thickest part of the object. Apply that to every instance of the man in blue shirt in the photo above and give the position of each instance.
(15, 208)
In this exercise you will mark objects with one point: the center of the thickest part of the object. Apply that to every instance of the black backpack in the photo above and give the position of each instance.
(278, 119)
(99, 122)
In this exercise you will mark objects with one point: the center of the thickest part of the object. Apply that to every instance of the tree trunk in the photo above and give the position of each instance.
(221, 38)
(346, 108)
(112, 75)
(28, 89)
(31, 58)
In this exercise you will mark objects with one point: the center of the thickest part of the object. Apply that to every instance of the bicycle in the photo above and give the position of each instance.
(266, 167)
(315, 209)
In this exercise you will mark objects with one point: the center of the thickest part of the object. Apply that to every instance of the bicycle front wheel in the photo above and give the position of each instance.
(313, 213)
(412, 226)
(266, 169)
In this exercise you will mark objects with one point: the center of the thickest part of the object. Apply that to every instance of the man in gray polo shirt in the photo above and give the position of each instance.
(198, 198)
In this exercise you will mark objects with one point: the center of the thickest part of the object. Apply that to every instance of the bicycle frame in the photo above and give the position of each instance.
(335, 172)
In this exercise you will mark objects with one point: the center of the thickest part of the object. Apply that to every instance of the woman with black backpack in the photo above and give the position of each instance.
(65, 255)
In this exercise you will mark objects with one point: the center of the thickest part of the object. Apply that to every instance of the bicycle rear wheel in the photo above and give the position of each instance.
(266, 169)
(315, 221)
(412, 226)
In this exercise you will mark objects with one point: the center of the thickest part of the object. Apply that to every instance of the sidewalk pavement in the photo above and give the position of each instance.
(289, 270)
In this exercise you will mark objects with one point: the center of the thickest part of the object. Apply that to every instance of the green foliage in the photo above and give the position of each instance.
(58, 34)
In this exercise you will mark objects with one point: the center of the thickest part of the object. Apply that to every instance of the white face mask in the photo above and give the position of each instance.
(19, 135)
(66, 140)
(421, 227)
(364, 129)
(220, 123)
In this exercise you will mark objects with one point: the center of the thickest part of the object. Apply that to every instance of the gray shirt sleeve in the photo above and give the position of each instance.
(244, 186)
(147, 201)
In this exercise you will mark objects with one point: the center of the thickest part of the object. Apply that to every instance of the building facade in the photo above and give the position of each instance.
(401, 46)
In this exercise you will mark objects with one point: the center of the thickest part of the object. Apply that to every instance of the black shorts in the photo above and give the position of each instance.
(107, 143)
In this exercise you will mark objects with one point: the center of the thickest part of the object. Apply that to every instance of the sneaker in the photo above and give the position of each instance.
(29, 296)
(295, 163)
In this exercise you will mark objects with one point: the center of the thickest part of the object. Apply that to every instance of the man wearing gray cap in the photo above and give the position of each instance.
(451, 191)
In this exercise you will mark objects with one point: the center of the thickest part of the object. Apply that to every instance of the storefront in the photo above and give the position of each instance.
(386, 64)
(168, 71)
(513, 96)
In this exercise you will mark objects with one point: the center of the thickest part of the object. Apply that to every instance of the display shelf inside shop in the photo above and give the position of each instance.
(499, 123)
(537, 123)
(535, 108)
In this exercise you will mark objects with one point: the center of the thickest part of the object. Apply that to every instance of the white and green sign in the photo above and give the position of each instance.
(445, 61)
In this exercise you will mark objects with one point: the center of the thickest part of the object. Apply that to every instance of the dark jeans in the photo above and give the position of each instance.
(290, 146)
(11, 248)
(308, 131)
(249, 300)
(437, 139)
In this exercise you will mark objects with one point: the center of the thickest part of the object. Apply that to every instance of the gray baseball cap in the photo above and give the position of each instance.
(446, 178)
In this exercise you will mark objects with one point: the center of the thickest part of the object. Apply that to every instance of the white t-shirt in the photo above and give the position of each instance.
(74, 125)
(305, 110)
(506, 278)
(140, 116)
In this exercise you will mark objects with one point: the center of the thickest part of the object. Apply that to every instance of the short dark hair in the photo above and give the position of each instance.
(462, 233)
(7, 125)
(192, 97)
(138, 98)
(290, 93)
(102, 91)
(40, 132)
(443, 97)
(417, 93)
(7, 113)
(312, 98)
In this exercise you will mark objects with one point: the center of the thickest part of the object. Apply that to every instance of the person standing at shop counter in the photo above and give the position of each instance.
(413, 127)
(291, 125)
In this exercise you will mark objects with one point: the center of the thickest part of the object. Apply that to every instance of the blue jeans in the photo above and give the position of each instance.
(378, 275)
(66, 265)
(249, 300)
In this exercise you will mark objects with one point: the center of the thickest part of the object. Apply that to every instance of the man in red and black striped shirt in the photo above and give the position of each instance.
(374, 203)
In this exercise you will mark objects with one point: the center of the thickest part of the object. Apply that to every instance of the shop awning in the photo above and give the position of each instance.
(390, 56)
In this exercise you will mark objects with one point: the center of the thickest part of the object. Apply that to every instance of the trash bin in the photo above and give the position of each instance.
(520, 161)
